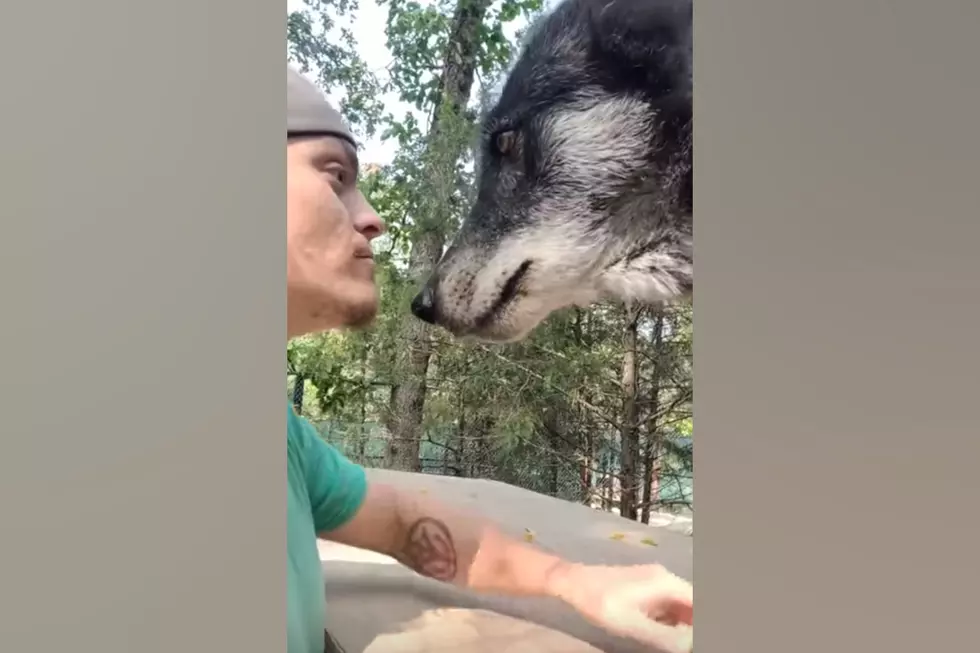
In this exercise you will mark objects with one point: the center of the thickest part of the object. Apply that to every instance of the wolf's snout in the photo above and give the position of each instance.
(424, 304)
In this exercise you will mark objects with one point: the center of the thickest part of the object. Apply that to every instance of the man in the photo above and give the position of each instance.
(330, 285)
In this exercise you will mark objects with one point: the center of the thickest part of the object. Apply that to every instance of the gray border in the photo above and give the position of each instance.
(836, 351)
(142, 468)
(837, 312)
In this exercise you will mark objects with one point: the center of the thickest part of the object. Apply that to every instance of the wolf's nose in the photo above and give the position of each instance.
(424, 305)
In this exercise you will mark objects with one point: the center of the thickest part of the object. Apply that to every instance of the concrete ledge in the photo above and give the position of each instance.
(374, 605)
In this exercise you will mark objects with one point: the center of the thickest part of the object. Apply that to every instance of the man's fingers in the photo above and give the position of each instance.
(676, 605)
(660, 614)
(683, 613)
(669, 599)
(664, 638)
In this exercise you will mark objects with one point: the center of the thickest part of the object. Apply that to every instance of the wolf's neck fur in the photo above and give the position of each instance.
(651, 274)
(657, 263)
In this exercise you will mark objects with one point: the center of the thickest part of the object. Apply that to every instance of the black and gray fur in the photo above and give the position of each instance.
(584, 175)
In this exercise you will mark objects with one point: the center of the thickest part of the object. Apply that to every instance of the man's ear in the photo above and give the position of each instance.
(654, 38)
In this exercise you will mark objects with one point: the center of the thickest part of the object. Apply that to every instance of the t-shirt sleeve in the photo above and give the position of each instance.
(336, 485)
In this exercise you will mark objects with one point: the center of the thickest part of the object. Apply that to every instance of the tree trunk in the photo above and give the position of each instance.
(588, 463)
(629, 433)
(552, 431)
(362, 430)
(653, 449)
(605, 484)
(298, 387)
(586, 436)
(481, 460)
(444, 147)
(456, 441)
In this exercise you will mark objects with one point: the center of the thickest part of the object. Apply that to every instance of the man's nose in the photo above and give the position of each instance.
(424, 304)
(366, 220)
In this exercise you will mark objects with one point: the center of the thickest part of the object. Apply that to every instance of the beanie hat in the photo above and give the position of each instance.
(308, 112)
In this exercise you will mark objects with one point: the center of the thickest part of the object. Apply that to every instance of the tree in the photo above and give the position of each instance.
(464, 43)
(318, 42)
(630, 429)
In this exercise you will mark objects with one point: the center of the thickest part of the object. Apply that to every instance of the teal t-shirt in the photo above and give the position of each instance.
(325, 490)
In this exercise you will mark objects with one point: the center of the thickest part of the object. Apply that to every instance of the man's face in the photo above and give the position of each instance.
(329, 227)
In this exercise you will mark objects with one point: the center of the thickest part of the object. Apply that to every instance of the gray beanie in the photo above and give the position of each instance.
(308, 112)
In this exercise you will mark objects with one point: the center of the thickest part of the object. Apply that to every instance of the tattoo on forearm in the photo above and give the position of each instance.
(428, 549)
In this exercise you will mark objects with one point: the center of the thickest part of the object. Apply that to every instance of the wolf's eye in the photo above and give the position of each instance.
(504, 142)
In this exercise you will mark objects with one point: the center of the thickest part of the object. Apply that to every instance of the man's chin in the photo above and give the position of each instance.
(361, 315)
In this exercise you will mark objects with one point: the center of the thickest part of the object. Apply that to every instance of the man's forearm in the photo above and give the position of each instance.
(441, 542)
(436, 540)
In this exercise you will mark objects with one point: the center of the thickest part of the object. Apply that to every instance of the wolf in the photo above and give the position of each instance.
(584, 175)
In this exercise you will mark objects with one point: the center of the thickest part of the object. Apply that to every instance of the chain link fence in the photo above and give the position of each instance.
(527, 464)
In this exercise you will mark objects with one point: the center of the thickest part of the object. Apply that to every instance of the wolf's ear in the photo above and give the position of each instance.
(651, 38)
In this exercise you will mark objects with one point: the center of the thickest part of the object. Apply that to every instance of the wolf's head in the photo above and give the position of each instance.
(584, 174)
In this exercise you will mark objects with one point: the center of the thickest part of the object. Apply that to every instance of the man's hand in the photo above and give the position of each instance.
(646, 603)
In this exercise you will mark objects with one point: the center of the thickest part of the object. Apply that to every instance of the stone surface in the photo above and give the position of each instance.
(375, 605)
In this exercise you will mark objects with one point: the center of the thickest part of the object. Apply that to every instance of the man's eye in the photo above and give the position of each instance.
(337, 174)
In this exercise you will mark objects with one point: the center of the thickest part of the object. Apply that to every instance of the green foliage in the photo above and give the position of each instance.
(318, 42)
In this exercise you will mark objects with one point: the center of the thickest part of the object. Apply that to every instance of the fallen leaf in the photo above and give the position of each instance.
(528, 535)
(648, 541)
(617, 536)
